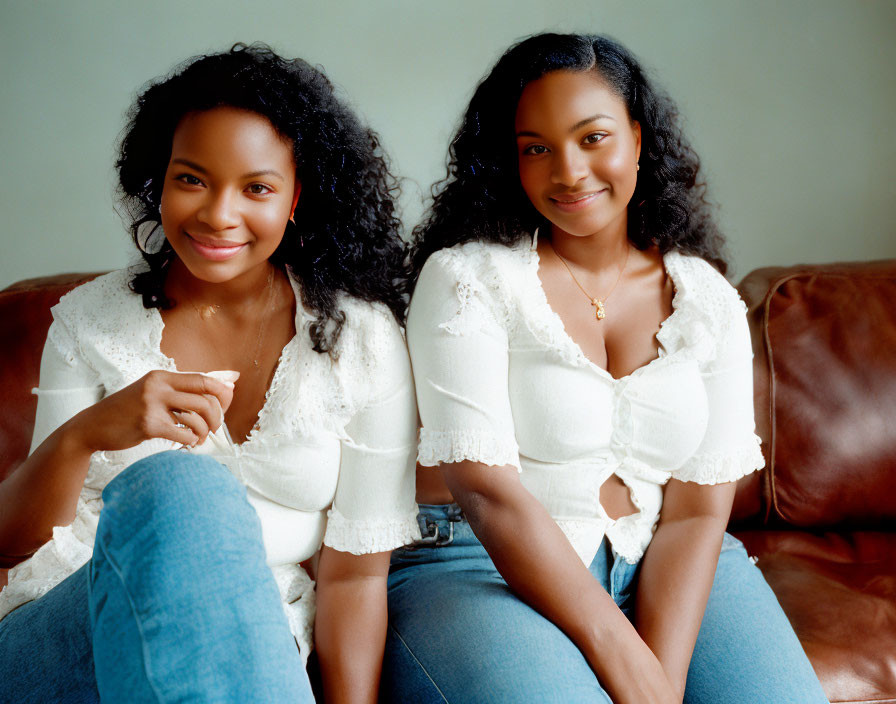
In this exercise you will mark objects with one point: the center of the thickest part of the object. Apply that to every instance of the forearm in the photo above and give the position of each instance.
(350, 624)
(43, 491)
(676, 578)
(539, 564)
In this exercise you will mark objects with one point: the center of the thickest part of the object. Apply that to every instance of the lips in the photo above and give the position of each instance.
(569, 202)
(216, 250)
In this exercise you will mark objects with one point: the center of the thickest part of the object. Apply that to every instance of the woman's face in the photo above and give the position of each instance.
(578, 152)
(229, 190)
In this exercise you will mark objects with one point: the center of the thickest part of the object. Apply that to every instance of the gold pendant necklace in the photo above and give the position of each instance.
(600, 311)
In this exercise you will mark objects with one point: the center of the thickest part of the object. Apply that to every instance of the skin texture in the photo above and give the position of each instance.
(230, 183)
(578, 153)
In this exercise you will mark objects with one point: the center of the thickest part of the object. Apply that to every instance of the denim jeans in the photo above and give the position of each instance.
(176, 604)
(458, 634)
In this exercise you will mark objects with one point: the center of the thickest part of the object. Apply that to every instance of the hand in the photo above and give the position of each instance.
(632, 674)
(181, 407)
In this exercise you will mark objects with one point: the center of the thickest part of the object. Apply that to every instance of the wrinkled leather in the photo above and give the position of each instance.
(839, 592)
(825, 392)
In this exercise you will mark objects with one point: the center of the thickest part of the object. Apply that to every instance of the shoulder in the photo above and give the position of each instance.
(104, 302)
(712, 314)
(371, 353)
(369, 336)
(477, 260)
(703, 286)
(471, 275)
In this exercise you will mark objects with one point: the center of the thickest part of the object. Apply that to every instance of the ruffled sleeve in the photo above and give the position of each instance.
(68, 384)
(730, 448)
(374, 508)
(459, 349)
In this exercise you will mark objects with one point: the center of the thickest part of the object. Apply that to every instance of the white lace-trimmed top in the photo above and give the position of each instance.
(499, 381)
(331, 458)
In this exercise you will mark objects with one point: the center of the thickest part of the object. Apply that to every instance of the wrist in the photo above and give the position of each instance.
(75, 437)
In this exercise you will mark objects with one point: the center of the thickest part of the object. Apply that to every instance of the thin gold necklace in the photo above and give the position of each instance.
(209, 311)
(599, 311)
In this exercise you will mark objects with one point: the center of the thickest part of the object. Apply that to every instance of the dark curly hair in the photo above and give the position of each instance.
(347, 237)
(482, 199)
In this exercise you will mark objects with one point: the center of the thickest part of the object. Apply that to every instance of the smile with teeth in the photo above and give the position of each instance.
(216, 250)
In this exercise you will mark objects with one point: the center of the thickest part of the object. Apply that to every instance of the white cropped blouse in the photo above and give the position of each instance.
(499, 381)
(330, 460)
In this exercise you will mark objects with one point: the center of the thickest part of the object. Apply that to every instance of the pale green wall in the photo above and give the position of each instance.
(790, 104)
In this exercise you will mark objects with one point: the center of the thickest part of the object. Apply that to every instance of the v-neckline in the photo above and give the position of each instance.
(557, 322)
(301, 318)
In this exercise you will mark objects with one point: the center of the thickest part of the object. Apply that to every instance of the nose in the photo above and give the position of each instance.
(570, 166)
(219, 211)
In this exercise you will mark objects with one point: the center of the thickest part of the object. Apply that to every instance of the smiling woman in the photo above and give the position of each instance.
(215, 421)
(583, 376)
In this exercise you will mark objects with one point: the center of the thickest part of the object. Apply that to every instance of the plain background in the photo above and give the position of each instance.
(790, 104)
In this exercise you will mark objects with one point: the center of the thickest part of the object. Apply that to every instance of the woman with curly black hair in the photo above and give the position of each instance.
(583, 376)
(212, 419)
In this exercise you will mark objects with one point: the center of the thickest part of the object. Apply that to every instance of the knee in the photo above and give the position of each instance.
(172, 487)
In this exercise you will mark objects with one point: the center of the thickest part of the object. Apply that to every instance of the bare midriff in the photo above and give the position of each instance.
(614, 494)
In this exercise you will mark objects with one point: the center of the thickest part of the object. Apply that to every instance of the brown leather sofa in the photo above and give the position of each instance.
(819, 518)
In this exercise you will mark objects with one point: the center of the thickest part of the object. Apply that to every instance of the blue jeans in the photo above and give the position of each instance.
(458, 634)
(176, 604)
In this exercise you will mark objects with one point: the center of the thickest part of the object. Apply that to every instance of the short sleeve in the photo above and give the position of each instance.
(459, 349)
(68, 384)
(730, 448)
(374, 508)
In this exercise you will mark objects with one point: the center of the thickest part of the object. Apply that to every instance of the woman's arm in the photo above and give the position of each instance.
(350, 624)
(540, 565)
(677, 572)
(43, 491)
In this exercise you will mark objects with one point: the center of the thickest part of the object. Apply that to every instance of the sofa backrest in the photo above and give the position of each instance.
(824, 343)
(24, 320)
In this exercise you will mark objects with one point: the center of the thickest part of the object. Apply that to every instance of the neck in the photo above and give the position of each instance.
(606, 249)
(244, 291)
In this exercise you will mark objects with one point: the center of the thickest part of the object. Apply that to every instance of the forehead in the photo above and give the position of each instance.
(564, 98)
(230, 131)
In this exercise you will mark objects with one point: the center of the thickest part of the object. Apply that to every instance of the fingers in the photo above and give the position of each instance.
(218, 384)
(201, 413)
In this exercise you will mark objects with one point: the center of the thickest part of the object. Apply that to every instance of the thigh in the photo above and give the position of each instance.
(458, 634)
(746, 650)
(45, 648)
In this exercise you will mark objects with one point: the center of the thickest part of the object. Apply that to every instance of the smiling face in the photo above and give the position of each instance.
(578, 152)
(229, 190)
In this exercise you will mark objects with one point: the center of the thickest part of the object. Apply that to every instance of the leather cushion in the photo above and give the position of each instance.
(839, 592)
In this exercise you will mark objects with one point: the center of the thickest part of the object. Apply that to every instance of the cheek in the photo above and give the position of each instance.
(529, 180)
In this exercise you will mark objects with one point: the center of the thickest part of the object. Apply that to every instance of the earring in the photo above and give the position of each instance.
(150, 237)
(637, 166)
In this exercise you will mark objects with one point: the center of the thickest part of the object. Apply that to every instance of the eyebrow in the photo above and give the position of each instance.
(253, 174)
(578, 125)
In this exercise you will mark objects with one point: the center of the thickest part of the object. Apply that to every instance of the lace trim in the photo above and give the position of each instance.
(66, 553)
(438, 446)
(361, 537)
(719, 467)
(299, 604)
(480, 289)
(584, 536)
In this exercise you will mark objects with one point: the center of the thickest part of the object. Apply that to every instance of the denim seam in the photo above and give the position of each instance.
(146, 658)
(411, 653)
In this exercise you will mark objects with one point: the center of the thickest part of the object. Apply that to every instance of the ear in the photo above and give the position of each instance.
(295, 201)
(636, 131)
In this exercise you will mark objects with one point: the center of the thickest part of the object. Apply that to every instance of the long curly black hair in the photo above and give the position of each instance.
(482, 199)
(347, 233)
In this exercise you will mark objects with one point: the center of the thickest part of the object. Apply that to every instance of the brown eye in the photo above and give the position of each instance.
(594, 137)
(535, 149)
(259, 189)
